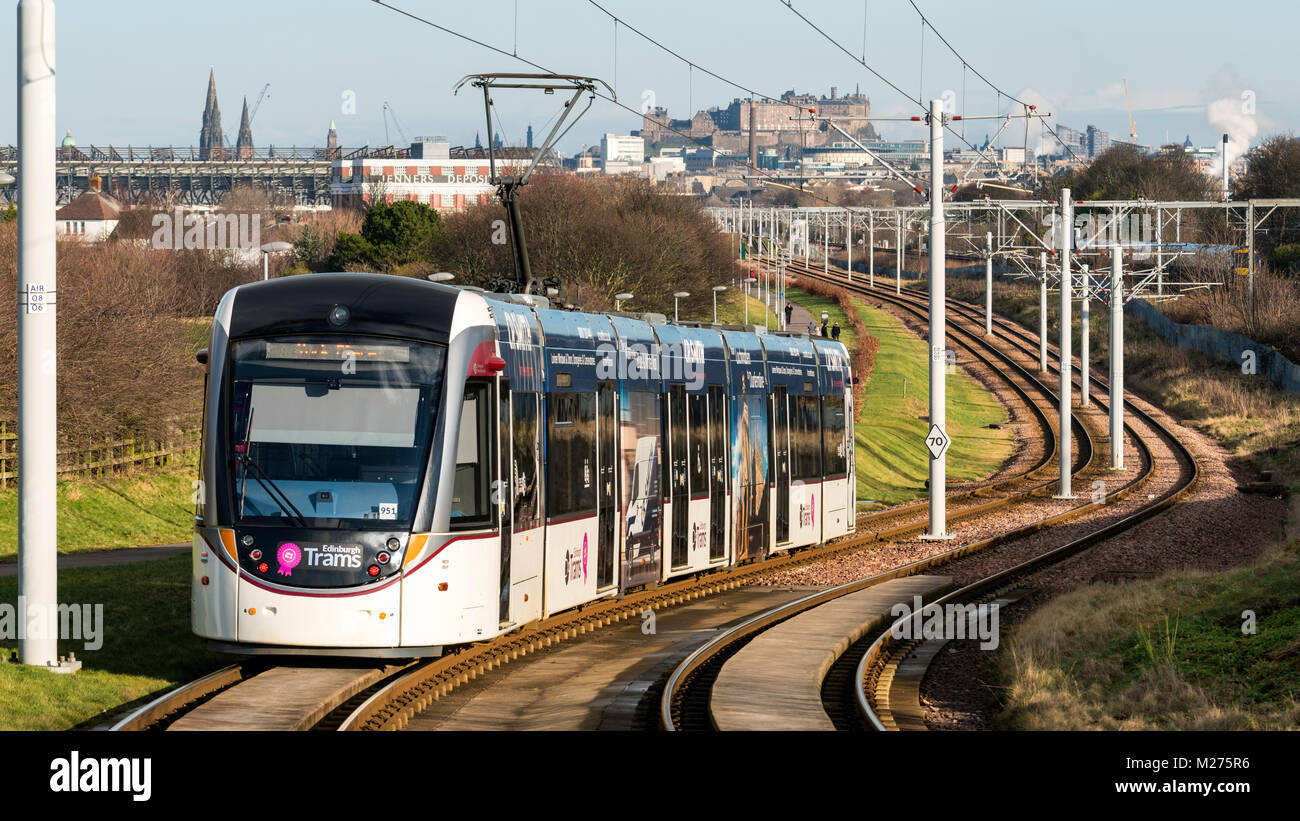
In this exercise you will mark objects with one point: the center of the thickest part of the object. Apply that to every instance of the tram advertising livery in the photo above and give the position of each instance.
(392, 466)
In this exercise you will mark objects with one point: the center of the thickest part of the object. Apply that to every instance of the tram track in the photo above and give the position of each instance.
(391, 702)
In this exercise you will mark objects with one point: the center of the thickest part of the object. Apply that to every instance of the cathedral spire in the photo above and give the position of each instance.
(244, 143)
(210, 137)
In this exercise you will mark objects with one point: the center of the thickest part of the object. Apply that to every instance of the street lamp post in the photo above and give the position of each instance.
(716, 289)
(272, 248)
(619, 299)
(677, 296)
(441, 276)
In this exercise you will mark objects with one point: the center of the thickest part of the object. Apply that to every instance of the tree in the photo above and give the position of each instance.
(1125, 172)
(1272, 170)
(392, 235)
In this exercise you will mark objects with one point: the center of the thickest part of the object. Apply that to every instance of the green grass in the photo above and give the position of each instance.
(147, 647)
(892, 462)
(141, 507)
(731, 309)
(1167, 653)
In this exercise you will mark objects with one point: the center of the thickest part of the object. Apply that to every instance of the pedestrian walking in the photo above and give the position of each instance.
(835, 331)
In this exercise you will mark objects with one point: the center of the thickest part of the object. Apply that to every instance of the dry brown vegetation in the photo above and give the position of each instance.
(600, 237)
(1277, 309)
(125, 346)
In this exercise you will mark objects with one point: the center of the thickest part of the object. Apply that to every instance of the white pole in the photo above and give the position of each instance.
(1042, 312)
(988, 286)
(871, 249)
(807, 234)
(898, 253)
(715, 307)
(826, 243)
(37, 343)
(938, 357)
(1116, 359)
(848, 241)
(1085, 323)
(1067, 314)
(266, 268)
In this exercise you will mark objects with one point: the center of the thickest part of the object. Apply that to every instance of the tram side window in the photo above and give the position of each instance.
(834, 448)
(524, 417)
(806, 437)
(571, 454)
(469, 497)
(699, 456)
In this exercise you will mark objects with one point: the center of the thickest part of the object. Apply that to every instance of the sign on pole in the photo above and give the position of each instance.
(937, 442)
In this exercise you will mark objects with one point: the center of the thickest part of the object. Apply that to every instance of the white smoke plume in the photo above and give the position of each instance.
(1236, 118)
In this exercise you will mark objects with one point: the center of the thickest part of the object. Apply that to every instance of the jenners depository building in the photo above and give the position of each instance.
(428, 172)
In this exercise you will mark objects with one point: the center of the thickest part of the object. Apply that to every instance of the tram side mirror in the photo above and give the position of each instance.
(201, 356)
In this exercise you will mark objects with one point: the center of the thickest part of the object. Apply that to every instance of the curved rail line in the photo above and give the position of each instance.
(389, 704)
(681, 701)
(881, 651)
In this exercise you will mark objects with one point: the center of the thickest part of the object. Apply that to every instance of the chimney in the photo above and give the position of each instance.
(833, 90)
(1223, 154)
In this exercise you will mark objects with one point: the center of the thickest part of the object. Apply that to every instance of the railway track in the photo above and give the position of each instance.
(849, 689)
(389, 700)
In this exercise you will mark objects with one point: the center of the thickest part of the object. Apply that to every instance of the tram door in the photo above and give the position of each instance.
(606, 493)
(781, 452)
(717, 473)
(677, 475)
(502, 496)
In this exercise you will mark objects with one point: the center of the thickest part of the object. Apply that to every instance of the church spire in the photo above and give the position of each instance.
(210, 137)
(244, 143)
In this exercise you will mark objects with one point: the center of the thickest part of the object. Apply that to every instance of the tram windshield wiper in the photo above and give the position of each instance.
(272, 489)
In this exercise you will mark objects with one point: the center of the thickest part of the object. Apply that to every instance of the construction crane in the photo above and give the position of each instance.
(388, 109)
(1132, 130)
(252, 115)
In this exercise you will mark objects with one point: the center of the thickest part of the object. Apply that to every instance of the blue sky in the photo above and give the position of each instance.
(136, 72)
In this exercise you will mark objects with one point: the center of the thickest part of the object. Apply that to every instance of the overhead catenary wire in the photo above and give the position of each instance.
(611, 99)
(966, 64)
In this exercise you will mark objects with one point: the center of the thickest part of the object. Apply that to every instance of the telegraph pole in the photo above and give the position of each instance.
(1116, 359)
(37, 342)
(1067, 311)
(937, 440)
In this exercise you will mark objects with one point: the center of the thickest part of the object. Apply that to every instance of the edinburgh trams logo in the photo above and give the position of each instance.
(289, 555)
(575, 563)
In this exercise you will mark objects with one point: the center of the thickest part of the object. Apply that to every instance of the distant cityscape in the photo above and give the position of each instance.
(718, 153)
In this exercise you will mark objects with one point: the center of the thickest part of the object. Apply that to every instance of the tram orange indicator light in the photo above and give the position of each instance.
(228, 542)
(443, 586)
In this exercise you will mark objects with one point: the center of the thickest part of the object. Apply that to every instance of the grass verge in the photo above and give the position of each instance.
(1170, 652)
(147, 647)
(892, 462)
(143, 506)
(1162, 654)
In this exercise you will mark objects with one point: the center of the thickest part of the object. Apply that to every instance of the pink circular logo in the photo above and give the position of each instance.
(288, 556)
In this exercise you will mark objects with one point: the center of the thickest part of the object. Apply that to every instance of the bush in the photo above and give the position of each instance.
(125, 340)
(392, 236)
(600, 237)
(1287, 257)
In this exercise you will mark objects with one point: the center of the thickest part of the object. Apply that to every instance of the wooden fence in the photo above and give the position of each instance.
(98, 459)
